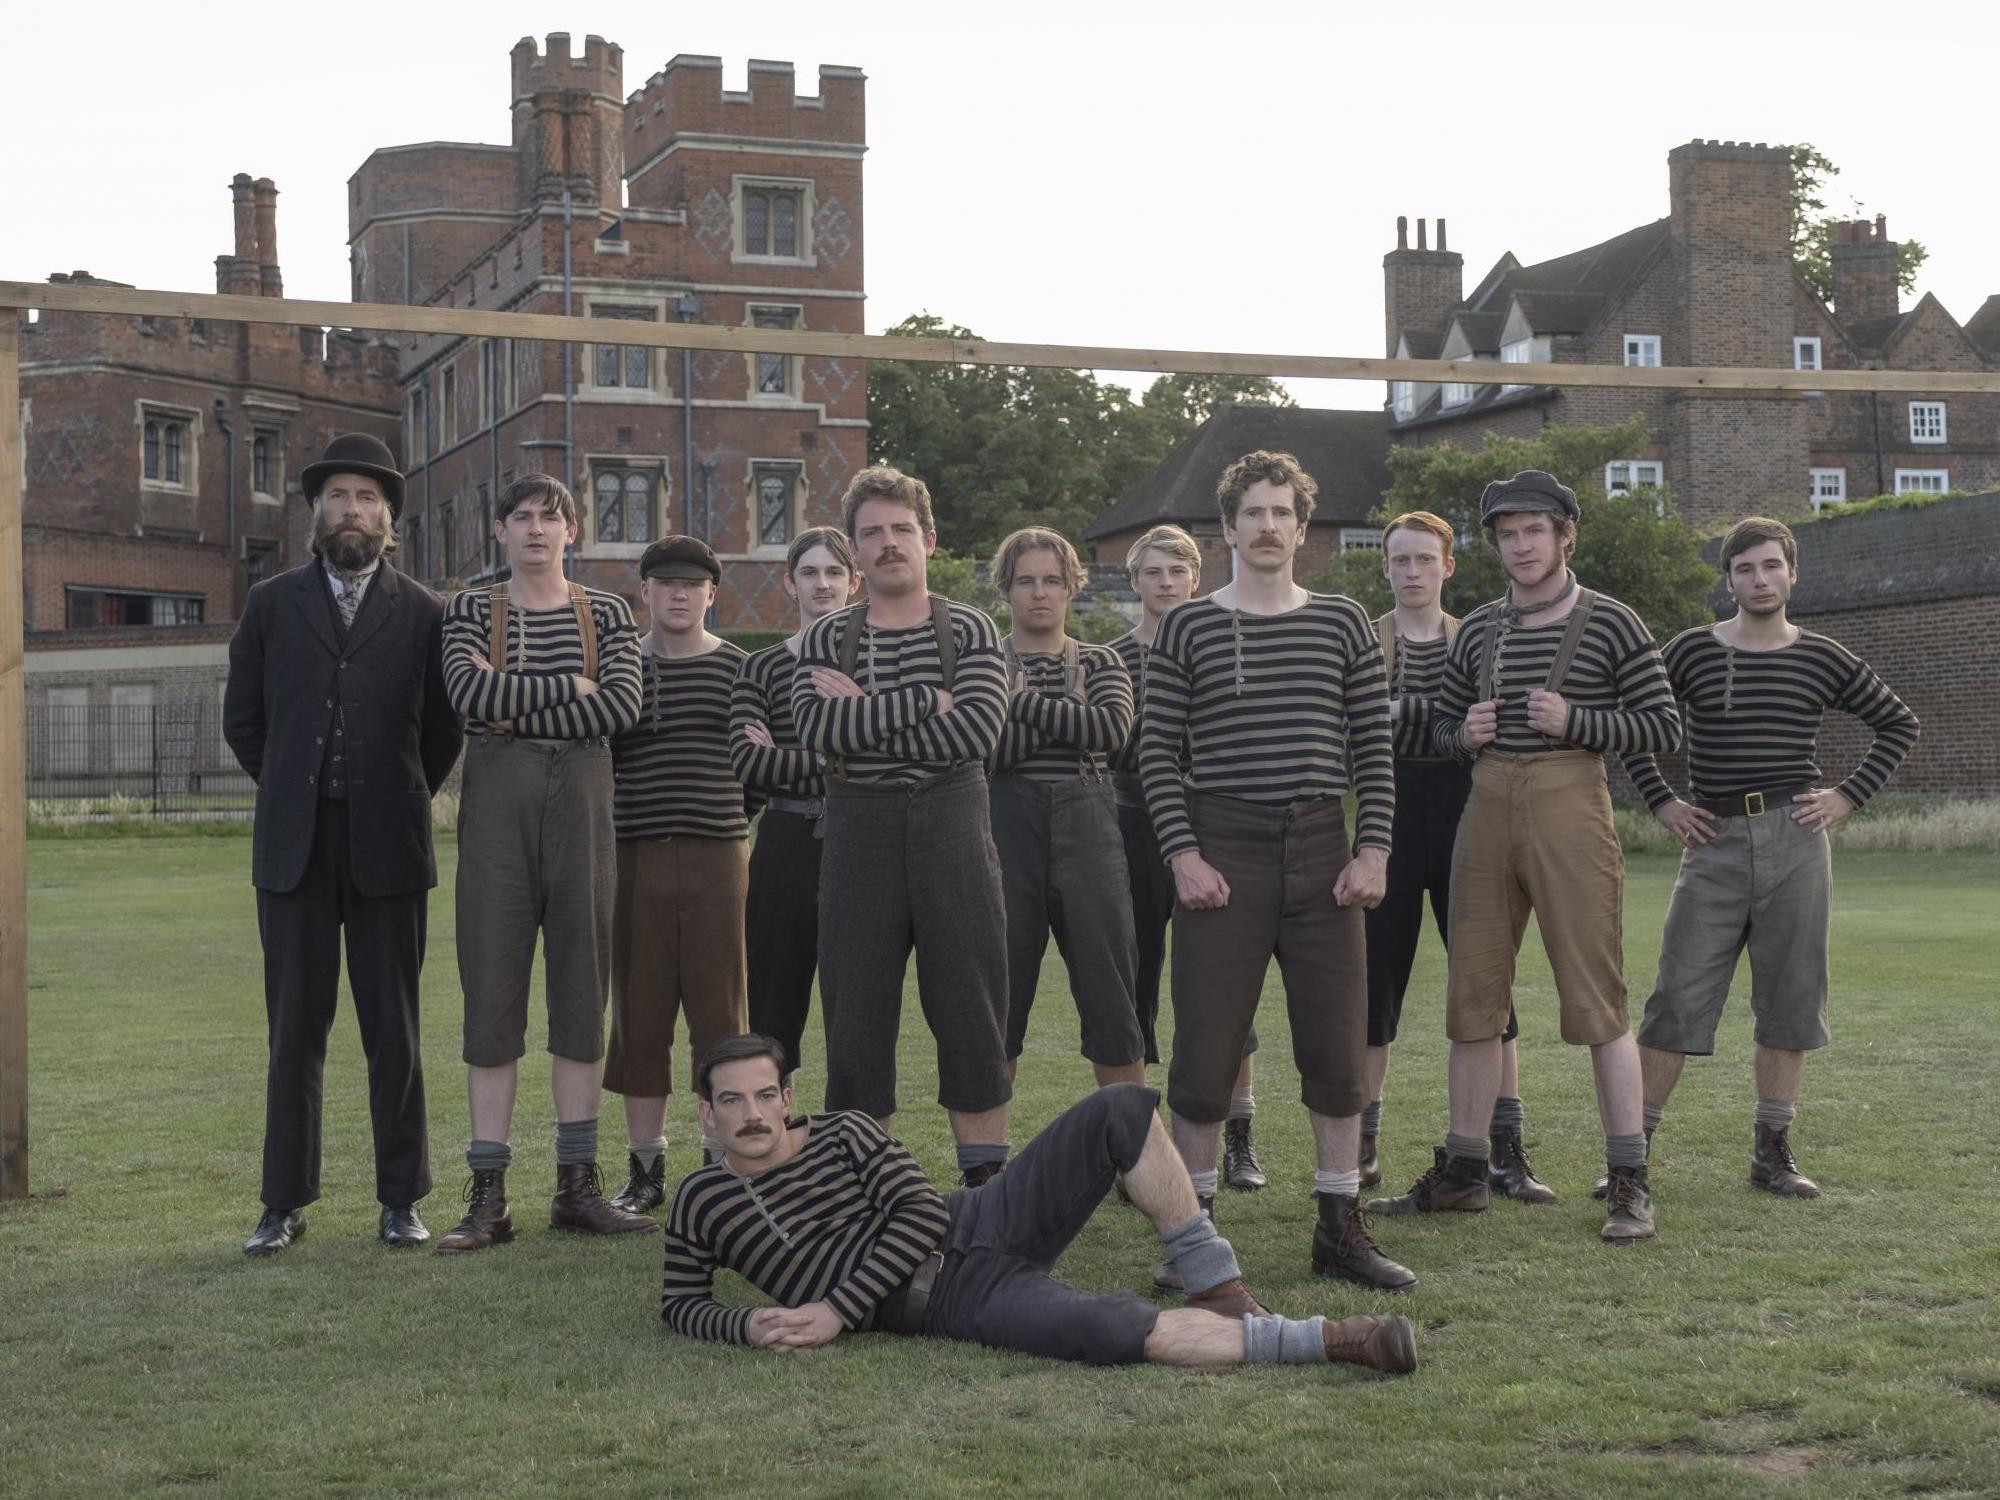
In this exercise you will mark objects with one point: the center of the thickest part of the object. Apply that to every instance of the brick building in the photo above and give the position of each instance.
(685, 201)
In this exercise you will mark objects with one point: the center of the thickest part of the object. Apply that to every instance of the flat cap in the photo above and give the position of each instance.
(1528, 490)
(680, 557)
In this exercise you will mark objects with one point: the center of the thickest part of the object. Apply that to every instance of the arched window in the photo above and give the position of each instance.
(624, 505)
(152, 450)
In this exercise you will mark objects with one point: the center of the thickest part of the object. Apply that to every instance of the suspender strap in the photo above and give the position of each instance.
(947, 642)
(586, 628)
(850, 638)
(1385, 632)
(1450, 630)
(1489, 656)
(1579, 617)
(850, 652)
(1087, 763)
(497, 635)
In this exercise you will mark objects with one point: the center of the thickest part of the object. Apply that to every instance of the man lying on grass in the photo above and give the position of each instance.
(835, 1221)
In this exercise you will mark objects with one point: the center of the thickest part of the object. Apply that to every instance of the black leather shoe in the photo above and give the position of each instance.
(1343, 1249)
(276, 1231)
(1371, 1162)
(979, 1176)
(1240, 1167)
(1508, 1171)
(401, 1226)
(645, 1189)
(1773, 1168)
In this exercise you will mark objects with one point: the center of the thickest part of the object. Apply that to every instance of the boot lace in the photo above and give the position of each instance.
(480, 1189)
(1357, 1237)
(1624, 1192)
(1781, 1152)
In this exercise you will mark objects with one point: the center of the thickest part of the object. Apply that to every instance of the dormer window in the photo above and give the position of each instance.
(1642, 349)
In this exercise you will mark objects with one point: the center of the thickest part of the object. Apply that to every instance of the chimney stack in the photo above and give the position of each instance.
(1420, 286)
(265, 198)
(237, 274)
(1863, 261)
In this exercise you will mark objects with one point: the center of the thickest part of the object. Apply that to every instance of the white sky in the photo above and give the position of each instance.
(1172, 176)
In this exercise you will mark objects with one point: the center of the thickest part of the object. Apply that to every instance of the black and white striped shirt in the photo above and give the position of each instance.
(1415, 683)
(1049, 732)
(1617, 691)
(536, 694)
(893, 734)
(763, 695)
(670, 771)
(1272, 708)
(845, 1222)
(1753, 717)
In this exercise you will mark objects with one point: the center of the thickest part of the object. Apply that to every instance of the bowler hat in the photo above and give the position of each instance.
(680, 557)
(1529, 490)
(356, 453)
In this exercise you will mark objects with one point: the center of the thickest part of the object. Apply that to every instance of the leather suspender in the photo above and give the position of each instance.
(1385, 632)
(1087, 763)
(850, 652)
(1572, 637)
(497, 636)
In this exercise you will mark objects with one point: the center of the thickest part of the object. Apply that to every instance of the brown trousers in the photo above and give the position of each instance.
(677, 942)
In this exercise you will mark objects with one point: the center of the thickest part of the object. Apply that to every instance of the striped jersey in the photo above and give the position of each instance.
(763, 695)
(670, 771)
(1619, 700)
(1273, 709)
(846, 1221)
(536, 694)
(1049, 731)
(1753, 717)
(1414, 684)
(893, 734)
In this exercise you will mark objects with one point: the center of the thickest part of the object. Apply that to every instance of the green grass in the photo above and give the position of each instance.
(1839, 1348)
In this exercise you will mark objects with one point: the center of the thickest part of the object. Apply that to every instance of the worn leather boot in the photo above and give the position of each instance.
(1385, 1344)
(580, 1203)
(276, 1231)
(1601, 1189)
(1342, 1248)
(1167, 1275)
(645, 1189)
(1508, 1171)
(1240, 1167)
(1371, 1163)
(1772, 1167)
(1230, 1298)
(486, 1221)
(1453, 1182)
(1631, 1200)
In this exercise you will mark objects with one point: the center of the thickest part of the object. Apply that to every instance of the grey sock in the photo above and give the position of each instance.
(489, 1156)
(1625, 1151)
(649, 1152)
(980, 1154)
(1654, 1113)
(1776, 1114)
(1242, 1103)
(1203, 1257)
(576, 1142)
(1509, 1116)
(1472, 1147)
(1283, 1341)
(1371, 1118)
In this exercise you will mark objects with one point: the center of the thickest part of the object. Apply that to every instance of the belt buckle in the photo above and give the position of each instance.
(1753, 804)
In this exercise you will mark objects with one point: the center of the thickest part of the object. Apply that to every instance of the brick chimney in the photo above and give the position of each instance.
(237, 273)
(265, 200)
(1419, 286)
(1732, 239)
(1864, 270)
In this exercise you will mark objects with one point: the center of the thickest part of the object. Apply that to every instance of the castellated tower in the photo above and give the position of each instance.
(567, 117)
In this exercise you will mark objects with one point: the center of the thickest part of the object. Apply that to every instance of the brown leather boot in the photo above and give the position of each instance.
(1631, 1215)
(486, 1222)
(645, 1189)
(580, 1204)
(1371, 1163)
(1343, 1249)
(1230, 1298)
(1385, 1344)
(1508, 1171)
(1601, 1189)
(1453, 1182)
(1772, 1167)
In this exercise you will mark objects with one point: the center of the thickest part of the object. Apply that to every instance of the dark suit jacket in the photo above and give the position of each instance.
(402, 733)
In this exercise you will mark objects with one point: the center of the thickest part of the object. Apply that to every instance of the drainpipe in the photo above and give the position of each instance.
(569, 376)
(1875, 420)
(222, 425)
(492, 377)
(685, 308)
(708, 516)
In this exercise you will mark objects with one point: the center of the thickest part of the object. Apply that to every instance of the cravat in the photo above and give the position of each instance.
(348, 598)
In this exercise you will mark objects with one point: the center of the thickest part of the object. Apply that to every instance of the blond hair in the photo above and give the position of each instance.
(1171, 540)
(1029, 539)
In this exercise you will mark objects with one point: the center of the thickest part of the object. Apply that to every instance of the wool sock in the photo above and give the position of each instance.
(1204, 1182)
(1654, 1113)
(576, 1142)
(489, 1156)
(1283, 1341)
(1625, 1151)
(1337, 1184)
(1242, 1103)
(1371, 1118)
(1509, 1115)
(1471, 1147)
(981, 1153)
(648, 1152)
(1203, 1257)
(1777, 1114)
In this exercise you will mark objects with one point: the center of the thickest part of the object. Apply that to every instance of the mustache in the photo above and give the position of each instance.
(753, 1130)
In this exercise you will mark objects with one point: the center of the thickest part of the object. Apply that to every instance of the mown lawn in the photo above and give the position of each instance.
(1845, 1347)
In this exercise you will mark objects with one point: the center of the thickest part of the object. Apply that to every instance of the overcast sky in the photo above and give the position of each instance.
(1206, 177)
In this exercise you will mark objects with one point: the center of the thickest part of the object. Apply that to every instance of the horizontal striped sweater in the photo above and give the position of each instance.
(1273, 709)
(670, 771)
(1049, 731)
(1753, 717)
(1414, 684)
(536, 694)
(763, 695)
(845, 1222)
(1619, 700)
(894, 733)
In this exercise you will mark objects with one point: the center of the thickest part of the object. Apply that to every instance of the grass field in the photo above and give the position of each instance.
(1845, 1347)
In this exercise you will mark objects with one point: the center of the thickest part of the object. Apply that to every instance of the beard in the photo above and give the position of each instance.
(352, 548)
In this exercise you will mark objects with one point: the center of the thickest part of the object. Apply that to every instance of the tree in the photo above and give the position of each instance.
(1633, 547)
(1813, 227)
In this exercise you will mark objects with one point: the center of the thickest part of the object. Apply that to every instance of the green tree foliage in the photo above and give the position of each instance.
(1005, 446)
(1635, 548)
(1813, 225)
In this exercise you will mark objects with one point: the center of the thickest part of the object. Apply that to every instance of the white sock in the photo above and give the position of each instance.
(1337, 1184)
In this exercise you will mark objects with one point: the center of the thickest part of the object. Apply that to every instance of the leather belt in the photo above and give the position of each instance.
(1750, 804)
(805, 807)
(907, 1315)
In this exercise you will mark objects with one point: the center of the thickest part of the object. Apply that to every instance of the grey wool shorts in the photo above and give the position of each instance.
(1764, 884)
